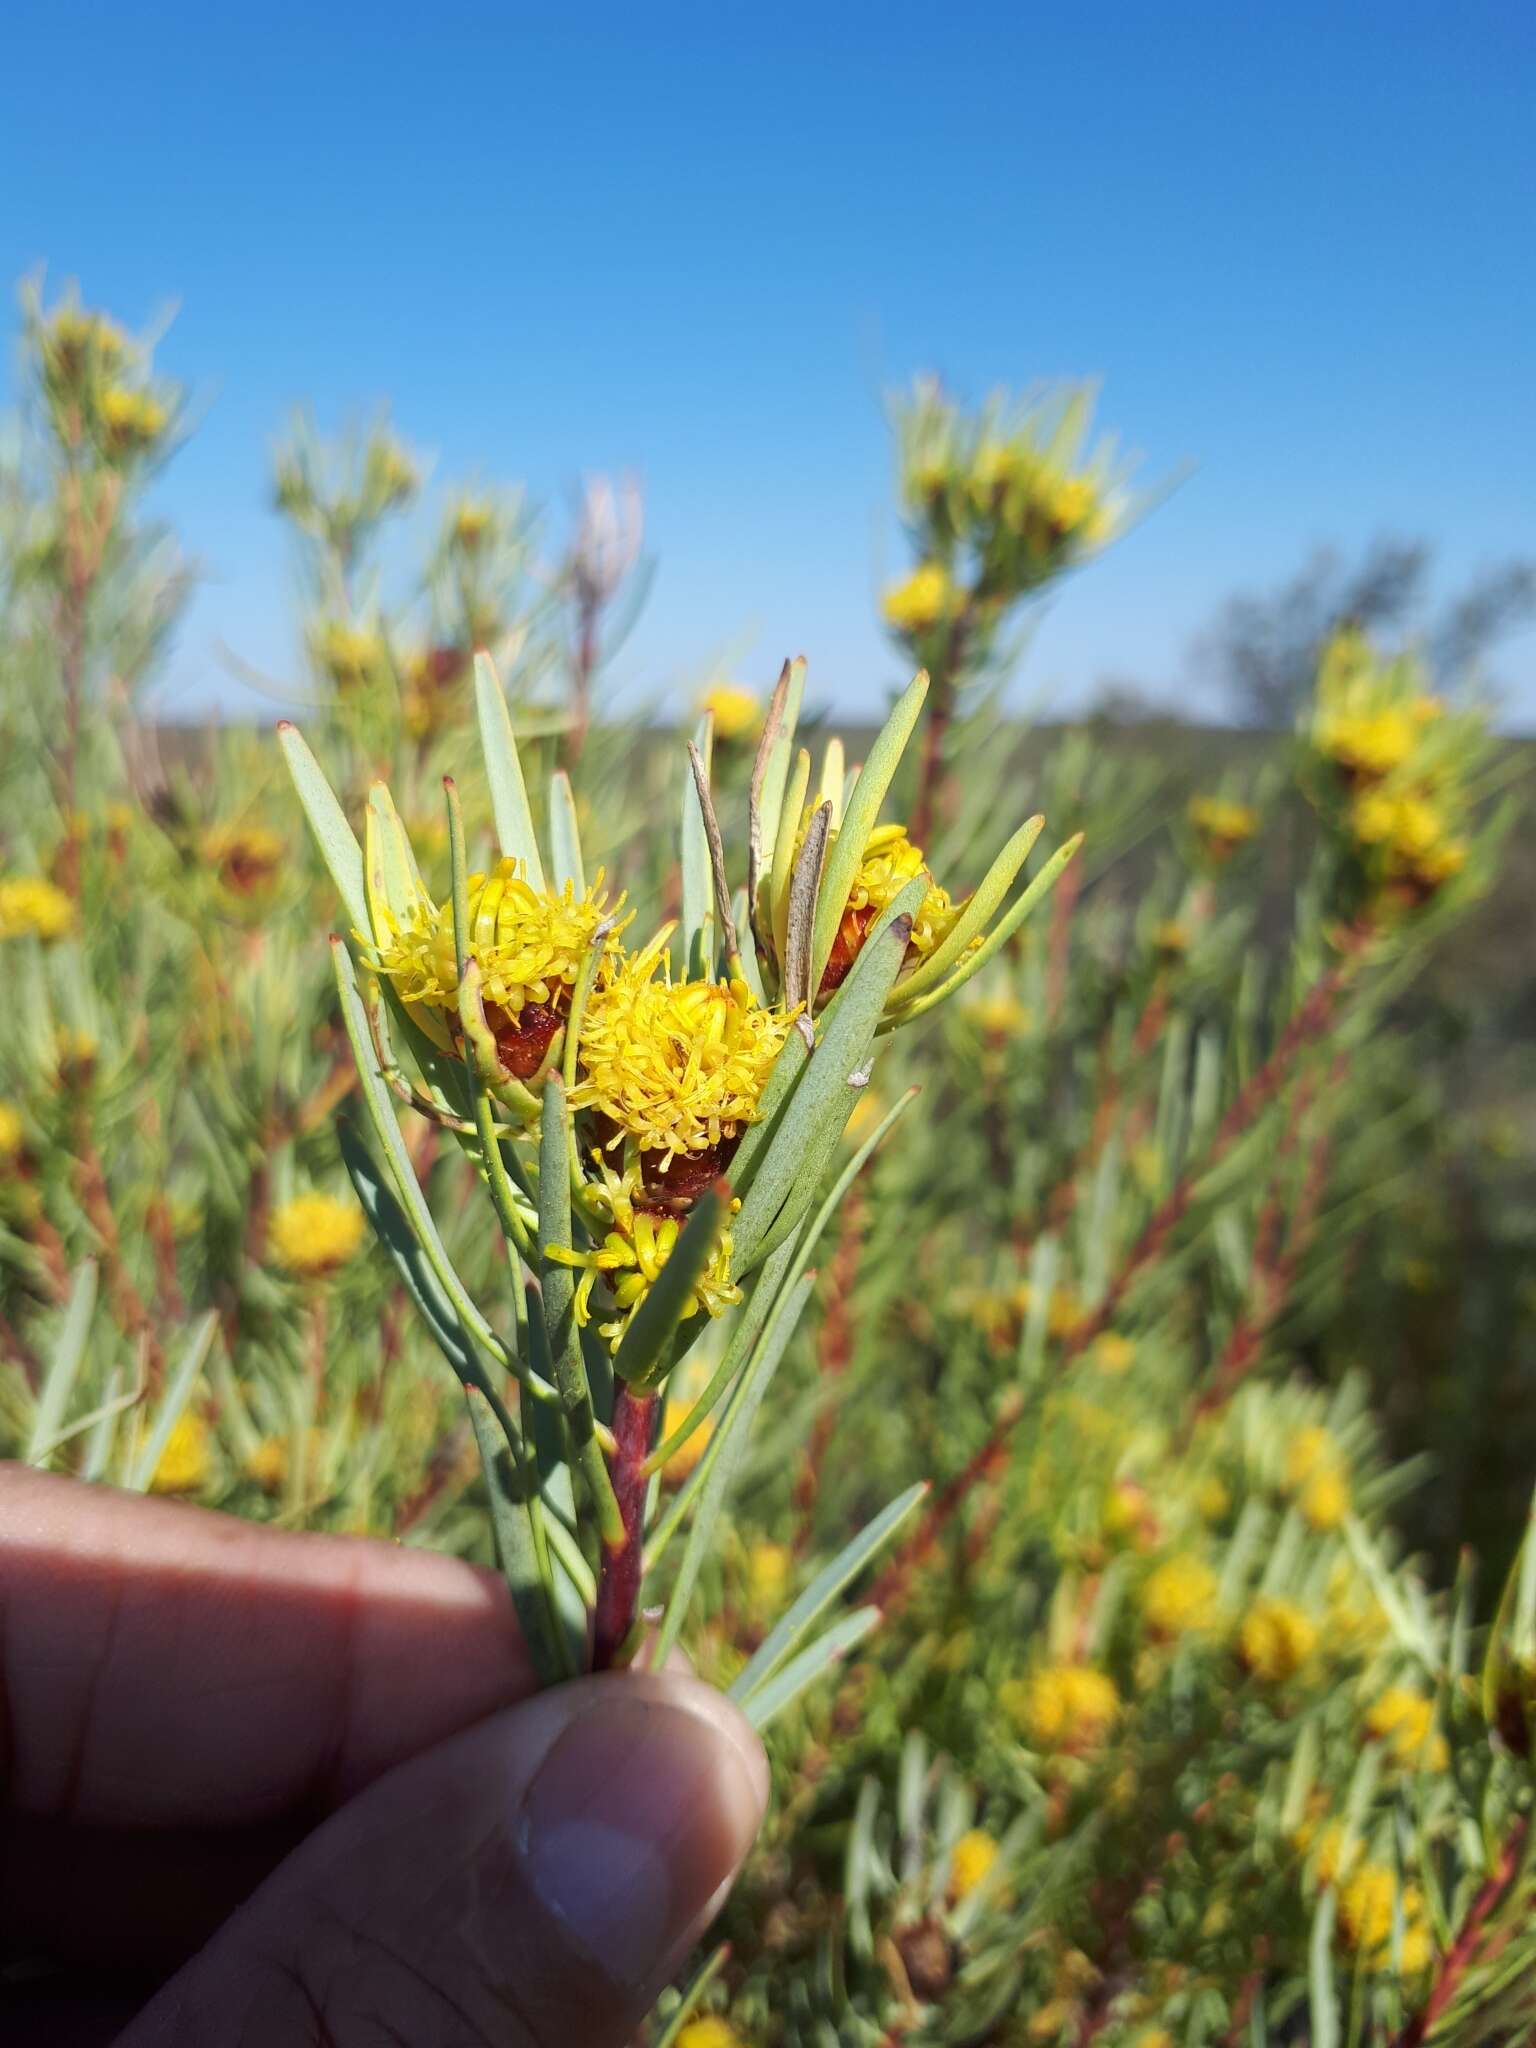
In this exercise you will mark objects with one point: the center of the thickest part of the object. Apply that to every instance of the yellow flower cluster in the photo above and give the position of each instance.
(736, 712)
(1369, 1904)
(1067, 1707)
(33, 907)
(132, 421)
(12, 1132)
(769, 1566)
(1412, 833)
(678, 1067)
(528, 943)
(1275, 1640)
(1315, 1470)
(1404, 1722)
(631, 1257)
(970, 1861)
(709, 2032)
(472, 520)
(1369, 744)
(1222, 824)
(75, 337)
(313, 1234)
(245, 858)
(920, 601)
(186, 1460)
(350, 655)
(1180, 1598)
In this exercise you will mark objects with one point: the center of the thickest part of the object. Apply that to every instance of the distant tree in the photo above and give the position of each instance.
(1261, 651)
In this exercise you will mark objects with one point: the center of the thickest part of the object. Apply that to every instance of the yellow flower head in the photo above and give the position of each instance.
(630, 1258)
(736, 711)
(1171, 938)
(32, 907)
(709, 2032)
(267, 1463)
(676, 1067)
(998, 1016)
(1070, 1707)
(1324, 1500)
(768, 1568)
(1311, 1450)
(74, 336)
(244, 857)
(528, 943)
(969, 1862)
(1368, 744)
(922, 600)
(1275, 1640)
(314, 1233)
(473, 519)
(131, 421)
(184, 1464)
(12, 1132)
(1223, 825)
(350, 655)
(1179, 1598)
(1114, 1353)
(1366, 1907)
(1405, 1722)
(889, 863)
(1213, 1499)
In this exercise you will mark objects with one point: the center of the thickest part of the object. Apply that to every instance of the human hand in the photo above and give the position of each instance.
(292, 1788)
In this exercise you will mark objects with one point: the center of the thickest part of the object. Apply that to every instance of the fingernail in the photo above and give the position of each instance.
(641, 1812)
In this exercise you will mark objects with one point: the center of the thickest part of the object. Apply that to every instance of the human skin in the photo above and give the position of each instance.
(262, 1787)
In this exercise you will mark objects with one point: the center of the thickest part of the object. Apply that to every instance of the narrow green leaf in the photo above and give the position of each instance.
(993, 943)
(328, 822)
(861, 817)
(976, 912)
(781, 874)
(688, 2004)
(379, 1104)
(521, 1546)
(565, 834)
(504, 772)
(787, 1633)
(827, 1089)
(644, 1344)
(697, 925)
(722, 1459)
(64, 1365)
(1323, 1997)
(802, 1672)
(178, 1391)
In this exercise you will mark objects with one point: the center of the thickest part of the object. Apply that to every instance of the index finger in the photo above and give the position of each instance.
(162, 1665)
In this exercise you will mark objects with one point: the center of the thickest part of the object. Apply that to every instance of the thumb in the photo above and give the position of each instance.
(533, 1882)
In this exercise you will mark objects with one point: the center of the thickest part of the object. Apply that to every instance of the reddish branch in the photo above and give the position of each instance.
(618, 1584)
(1310, 1020)
(1462, 1953)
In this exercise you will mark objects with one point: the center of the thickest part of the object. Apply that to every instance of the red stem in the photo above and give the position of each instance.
(618, 1582)
(1459, 1957)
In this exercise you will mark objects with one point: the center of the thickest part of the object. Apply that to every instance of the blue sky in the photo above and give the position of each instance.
(702, 243)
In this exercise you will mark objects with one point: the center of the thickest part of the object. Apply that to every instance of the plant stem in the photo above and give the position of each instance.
(618, 1584)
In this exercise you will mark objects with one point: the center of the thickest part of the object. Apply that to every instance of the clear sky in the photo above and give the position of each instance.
(1297, 242)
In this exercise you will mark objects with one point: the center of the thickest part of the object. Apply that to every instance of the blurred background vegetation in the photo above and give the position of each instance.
(1196, 1281)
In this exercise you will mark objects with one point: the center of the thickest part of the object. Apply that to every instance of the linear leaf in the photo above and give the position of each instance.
(64, 1366)
(788, 1631)
(565, 834)
(521, 1545)
(697, 926)
(995, 940)
(976, 911)
(826, 1090)
(861, 817)
(722, 1459)
(328, 822)
(801, 1672)
(504, 773)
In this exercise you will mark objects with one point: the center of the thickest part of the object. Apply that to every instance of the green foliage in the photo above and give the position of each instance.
(1107, 1341)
